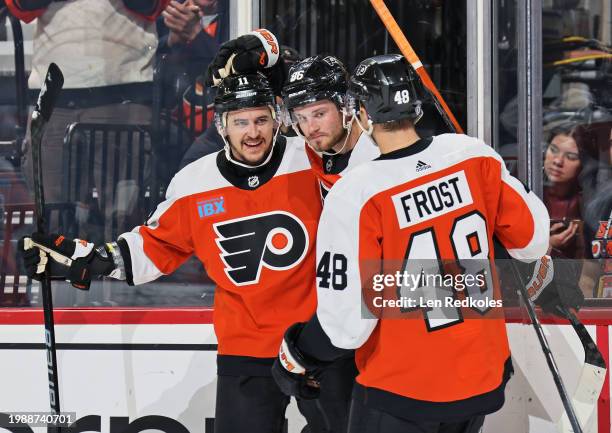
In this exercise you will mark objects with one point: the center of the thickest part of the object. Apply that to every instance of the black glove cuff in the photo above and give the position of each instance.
(102, 262)
(97, 263)
(292, 336)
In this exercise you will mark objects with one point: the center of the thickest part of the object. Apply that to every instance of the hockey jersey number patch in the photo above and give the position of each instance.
(432, 199)
(276, 240)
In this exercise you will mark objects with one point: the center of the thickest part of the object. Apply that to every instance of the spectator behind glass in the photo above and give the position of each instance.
(596, 279)
(598, 236)
(562, 193)
(106, 51)
(190, 33)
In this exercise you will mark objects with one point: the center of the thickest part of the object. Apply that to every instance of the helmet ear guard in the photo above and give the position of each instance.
(277, 115)
(285, 116)
(220, 120)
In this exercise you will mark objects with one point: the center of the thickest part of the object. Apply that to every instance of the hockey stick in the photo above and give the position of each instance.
(408, 52)
(550, 360)
(592, 373)
(594, 370)
(591, 378)
(49, 92)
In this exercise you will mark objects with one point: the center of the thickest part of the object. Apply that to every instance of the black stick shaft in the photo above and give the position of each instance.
(47, 297)
(550, 360)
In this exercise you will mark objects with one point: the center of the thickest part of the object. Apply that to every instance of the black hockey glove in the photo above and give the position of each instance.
(73, 260)
(294, 373)
(257, 51)
(554, 284)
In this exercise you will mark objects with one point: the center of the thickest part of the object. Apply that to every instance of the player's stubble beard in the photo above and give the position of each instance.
(241, 156)
(336, 139)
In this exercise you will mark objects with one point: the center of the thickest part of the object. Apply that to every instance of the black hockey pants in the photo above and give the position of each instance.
(254, 404)
(364, 419)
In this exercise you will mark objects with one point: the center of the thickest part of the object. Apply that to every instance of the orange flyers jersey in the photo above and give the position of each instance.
(329, 168)
(255, 234)
(441, 198)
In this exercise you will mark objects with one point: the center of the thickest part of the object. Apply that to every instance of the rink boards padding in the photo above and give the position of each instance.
(139, 363)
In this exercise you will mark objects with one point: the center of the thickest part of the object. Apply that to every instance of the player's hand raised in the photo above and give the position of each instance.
(250, 53)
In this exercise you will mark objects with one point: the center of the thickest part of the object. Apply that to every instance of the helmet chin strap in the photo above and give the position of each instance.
(230, 158)
(370, 126)
(348, 125)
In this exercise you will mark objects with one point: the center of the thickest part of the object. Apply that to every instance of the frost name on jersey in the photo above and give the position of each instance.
(277, 240)
(432, 199)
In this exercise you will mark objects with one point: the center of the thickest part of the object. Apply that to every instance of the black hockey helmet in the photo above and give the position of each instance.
(387, 86)
(314, 79)
(237, 92)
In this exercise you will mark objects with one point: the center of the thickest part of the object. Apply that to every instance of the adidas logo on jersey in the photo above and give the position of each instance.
(422, 166)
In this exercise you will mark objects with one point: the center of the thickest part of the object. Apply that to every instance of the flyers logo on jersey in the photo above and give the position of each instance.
(275, 240)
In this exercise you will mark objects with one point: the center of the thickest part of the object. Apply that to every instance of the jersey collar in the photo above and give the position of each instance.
(413, 149)
(252, 178)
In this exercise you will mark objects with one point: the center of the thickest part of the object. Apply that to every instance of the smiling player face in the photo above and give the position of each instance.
(250, 132)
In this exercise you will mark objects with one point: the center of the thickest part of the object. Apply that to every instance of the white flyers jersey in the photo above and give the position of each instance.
(442, 198)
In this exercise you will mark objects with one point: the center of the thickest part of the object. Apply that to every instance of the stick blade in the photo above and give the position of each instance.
(49, 91)
(585, 397)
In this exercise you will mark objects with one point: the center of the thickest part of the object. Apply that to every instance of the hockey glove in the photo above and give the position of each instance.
(73, 260)
(293, 372)
(257, 51)
(554, 284)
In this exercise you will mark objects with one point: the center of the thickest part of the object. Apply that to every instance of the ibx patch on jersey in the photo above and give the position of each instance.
(275, 240)
(212, 206)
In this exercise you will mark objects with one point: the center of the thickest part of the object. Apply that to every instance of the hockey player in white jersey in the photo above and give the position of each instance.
(438, 199)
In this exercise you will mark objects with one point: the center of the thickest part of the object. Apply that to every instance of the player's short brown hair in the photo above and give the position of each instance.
(397, 125)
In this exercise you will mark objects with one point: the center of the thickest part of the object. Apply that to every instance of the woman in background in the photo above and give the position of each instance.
(562, 192)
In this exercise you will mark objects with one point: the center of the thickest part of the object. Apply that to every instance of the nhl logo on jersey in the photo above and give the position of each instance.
(253, 181)
(329, 165)
(275, 240)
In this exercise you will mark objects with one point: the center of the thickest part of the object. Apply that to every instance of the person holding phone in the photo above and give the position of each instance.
(562, 193)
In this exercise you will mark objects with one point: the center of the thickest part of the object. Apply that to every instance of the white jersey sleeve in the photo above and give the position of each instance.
(343, 244)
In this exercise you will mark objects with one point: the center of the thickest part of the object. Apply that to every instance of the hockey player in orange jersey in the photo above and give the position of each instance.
(433, 199)
(250, 214)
